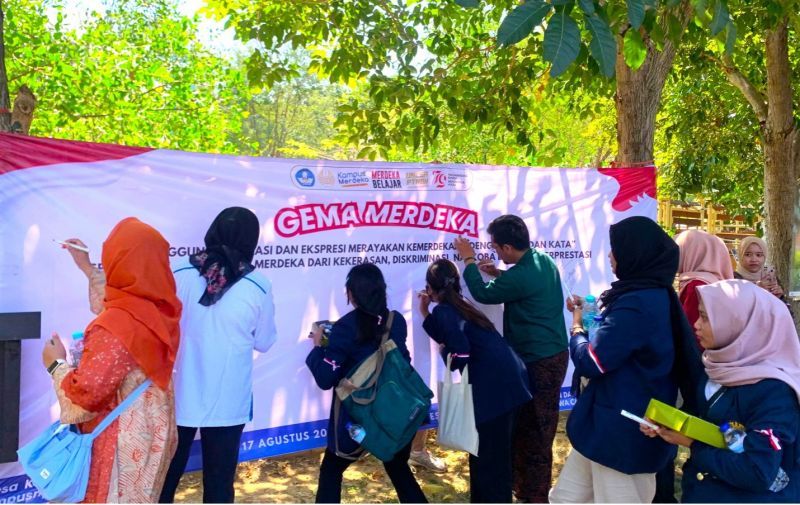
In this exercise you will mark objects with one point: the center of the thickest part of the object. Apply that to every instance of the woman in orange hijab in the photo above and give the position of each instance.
(134, 338)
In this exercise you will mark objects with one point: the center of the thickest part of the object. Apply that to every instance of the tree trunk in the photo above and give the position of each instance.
(638, 98)
(5, 100)
(780, 158)
(22, 115)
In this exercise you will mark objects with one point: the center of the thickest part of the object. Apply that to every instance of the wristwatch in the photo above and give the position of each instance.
(54, 365)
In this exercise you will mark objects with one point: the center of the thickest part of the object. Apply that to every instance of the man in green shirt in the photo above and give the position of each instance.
(533, 324)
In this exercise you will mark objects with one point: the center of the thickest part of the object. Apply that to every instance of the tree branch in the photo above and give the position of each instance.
(168, 109)
(754, 97)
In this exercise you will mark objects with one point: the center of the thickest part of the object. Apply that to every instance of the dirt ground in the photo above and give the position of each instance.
(293, 479)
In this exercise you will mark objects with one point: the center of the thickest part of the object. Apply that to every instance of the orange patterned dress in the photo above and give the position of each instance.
(131, 457)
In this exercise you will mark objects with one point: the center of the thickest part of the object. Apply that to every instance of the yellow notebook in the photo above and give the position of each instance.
(693, 427)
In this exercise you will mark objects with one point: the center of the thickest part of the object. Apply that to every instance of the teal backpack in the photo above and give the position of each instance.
(387, 397)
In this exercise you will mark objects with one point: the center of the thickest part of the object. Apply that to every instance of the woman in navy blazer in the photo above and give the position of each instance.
(498, 377)
(353, 338)
(751, 382)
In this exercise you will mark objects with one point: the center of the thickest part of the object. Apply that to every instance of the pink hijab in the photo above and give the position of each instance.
(754, 336)
(704, 257)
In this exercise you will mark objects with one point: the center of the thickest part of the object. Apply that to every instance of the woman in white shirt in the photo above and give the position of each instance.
(228, 312)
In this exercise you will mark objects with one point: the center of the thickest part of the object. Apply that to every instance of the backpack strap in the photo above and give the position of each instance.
(381, 355)
(114, 414)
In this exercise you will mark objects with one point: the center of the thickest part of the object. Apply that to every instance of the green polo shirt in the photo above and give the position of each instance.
(533, 319)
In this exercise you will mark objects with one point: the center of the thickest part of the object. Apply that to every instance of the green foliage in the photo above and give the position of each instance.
(293, 119)
(710, 140)
(603, 45)
(634, 49)
(521, 21)
(562, 40)
(636, 13)
(133, 75)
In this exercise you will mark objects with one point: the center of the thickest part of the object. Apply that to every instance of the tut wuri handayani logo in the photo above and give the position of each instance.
(305, 177)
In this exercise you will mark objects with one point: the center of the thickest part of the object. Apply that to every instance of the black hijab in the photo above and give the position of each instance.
(648, 258)
(231, 241)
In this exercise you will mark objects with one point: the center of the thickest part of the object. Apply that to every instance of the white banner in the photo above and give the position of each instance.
(318, 219)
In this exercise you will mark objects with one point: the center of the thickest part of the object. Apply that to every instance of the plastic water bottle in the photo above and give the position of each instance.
(734, 437)
(592, 330)
(588, 315)
(76, 349)
(356, 431)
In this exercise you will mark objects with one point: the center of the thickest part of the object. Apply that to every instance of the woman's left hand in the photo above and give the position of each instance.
(53, 350)
(776, 290)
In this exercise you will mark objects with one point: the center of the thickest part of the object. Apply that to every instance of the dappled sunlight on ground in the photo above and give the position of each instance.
(293, 478)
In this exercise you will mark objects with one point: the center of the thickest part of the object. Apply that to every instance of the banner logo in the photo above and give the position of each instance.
(305, 177)
(326, 177)
(335, 178)
(439, 179)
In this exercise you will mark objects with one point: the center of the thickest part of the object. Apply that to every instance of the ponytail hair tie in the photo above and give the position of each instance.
(449, 281)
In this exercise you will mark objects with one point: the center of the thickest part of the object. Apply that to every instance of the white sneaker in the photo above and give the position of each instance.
(425, 459)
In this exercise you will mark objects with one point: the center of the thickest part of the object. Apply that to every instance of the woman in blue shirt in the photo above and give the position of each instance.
(498, 376)
(353, 338)
(752, 362)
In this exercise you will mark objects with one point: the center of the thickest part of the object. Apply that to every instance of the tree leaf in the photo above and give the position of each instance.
(562, 40)
(634, 49)
(720, 19)
(468, 4)
(521, 21)
(603, 46)
(730, 38)
(587, 6)
(635, 12)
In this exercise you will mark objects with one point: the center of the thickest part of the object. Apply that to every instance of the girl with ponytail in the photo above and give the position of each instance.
(352, 339)
(498, 376)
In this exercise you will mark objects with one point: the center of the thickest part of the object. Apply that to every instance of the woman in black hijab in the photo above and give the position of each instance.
(630, 360)
(228, 313)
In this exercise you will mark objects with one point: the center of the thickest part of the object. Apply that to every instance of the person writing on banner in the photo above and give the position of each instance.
(533, 324)
(354, 337)
(134, 338)
(751, 390)
(630, 360)
(228, 312)
(498, 377)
